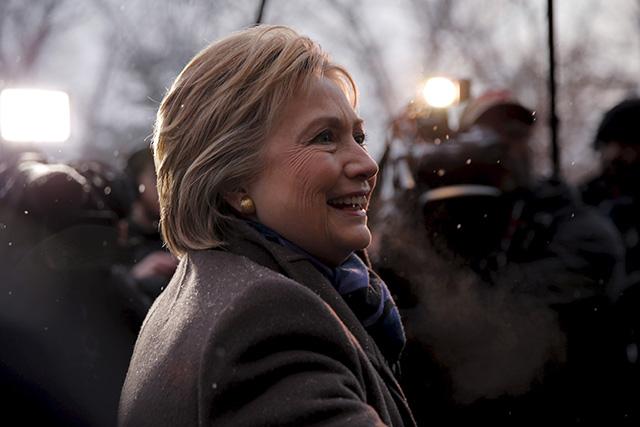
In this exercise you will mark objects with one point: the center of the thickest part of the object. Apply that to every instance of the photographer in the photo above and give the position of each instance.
(505, 280)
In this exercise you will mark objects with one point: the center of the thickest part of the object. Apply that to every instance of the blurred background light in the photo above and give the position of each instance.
(34, 115)
(441, 92)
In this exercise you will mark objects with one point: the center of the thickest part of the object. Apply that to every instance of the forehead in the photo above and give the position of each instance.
(321, 98)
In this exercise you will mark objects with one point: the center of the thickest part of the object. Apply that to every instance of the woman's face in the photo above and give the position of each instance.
(317, 178)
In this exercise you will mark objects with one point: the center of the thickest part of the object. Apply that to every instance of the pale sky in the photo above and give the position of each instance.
(77, 55)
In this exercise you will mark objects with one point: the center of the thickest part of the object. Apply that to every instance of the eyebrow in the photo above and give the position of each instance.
(332, 121)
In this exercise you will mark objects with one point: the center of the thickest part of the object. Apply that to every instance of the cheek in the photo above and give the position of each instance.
(313, 175)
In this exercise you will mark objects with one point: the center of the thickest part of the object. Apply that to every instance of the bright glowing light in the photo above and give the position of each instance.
(34, 115)
(440, 92)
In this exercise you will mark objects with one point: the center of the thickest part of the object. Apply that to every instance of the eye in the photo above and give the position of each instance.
(324, 137)
(360, 138)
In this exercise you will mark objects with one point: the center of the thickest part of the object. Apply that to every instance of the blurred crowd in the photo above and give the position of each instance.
(520, 295)
(81, 260)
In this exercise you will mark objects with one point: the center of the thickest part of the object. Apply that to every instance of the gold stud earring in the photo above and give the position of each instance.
(247, 207)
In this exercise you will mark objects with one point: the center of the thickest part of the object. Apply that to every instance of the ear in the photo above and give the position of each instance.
(233, 198)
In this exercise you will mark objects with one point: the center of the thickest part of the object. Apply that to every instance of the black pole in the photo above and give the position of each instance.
(263, 3)
(554, 123)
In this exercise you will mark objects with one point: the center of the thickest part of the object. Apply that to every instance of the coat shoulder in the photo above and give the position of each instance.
(230, 277)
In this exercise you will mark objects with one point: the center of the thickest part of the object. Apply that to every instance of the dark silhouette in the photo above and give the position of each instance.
(66, 339)
(504, 279)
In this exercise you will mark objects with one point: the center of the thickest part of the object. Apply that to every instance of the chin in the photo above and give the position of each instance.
(361, 240)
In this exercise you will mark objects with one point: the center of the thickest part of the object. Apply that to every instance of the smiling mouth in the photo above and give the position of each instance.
(356, 203)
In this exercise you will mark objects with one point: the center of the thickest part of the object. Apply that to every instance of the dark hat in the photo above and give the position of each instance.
(620, 124)
(495, 107)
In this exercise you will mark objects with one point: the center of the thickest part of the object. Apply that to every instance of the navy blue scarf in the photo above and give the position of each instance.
(364, 292)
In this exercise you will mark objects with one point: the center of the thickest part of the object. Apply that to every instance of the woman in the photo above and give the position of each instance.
(264, 181)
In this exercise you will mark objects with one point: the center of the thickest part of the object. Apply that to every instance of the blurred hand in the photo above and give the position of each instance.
(157, 263)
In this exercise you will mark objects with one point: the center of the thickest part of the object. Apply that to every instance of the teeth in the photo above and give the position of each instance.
(353, 201)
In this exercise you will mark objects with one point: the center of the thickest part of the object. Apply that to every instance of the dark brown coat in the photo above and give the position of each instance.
(256, 336)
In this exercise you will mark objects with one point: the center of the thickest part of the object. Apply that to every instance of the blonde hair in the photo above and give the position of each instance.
(212, 124)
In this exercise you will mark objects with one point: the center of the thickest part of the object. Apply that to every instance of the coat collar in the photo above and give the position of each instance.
(250, 243)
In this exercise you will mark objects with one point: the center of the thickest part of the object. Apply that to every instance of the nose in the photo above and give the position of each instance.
(360, 165)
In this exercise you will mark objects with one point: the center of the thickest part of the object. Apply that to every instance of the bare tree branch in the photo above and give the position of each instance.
(368, 52)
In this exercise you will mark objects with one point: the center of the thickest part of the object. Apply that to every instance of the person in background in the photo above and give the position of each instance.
(65, 342)
(505, 279)
(615, 191)
(567, 255)
(273, 316)
(574, 250)
(145, 210)
(616, 194)
(147, 266)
